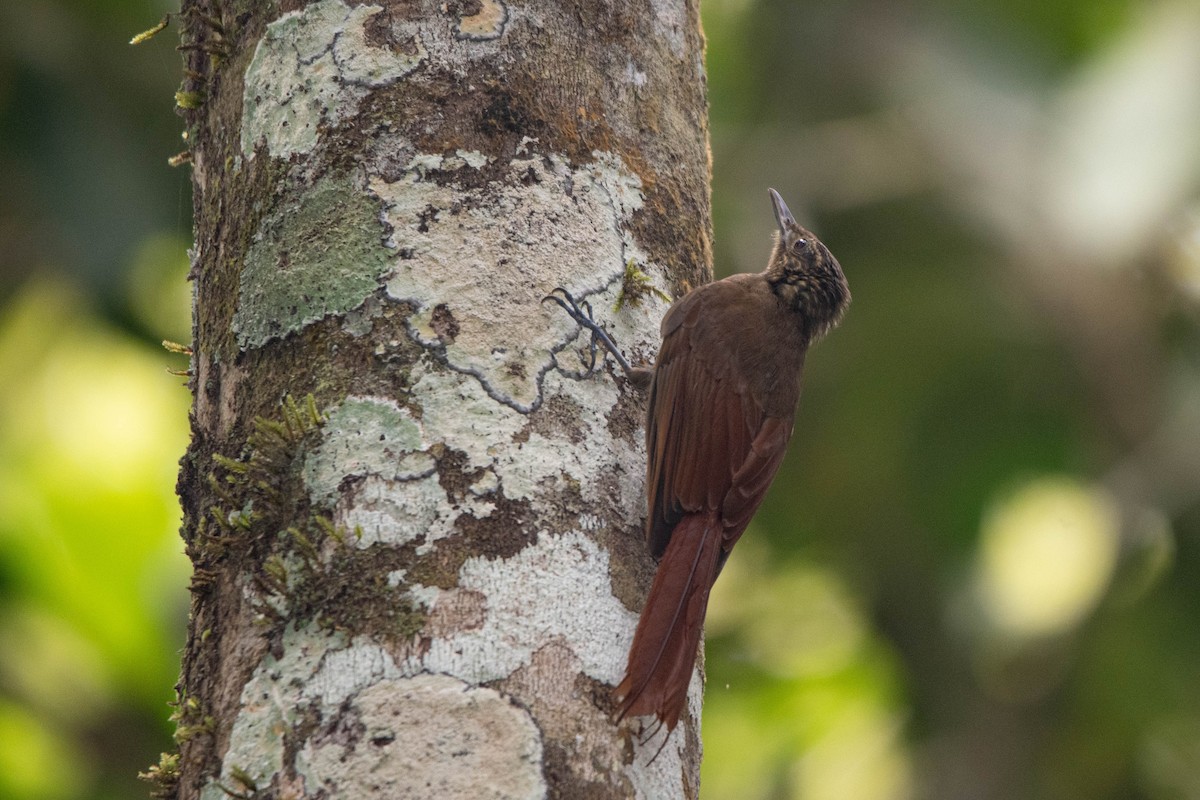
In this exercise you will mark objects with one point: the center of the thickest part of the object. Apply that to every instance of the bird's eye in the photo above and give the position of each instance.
(799, 246)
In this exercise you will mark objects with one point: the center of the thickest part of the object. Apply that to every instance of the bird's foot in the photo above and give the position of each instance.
(581, 312)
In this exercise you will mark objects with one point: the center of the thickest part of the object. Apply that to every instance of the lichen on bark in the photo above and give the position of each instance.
(384, 193)
(329, 241)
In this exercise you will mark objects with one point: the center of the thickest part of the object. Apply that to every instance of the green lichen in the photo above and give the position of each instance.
(365, 436)
(320, 251)
(311, 69)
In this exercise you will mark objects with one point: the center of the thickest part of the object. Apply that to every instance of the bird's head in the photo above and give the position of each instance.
(805, 275)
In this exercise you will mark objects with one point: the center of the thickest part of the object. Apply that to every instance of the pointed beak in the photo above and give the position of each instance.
(782, 215)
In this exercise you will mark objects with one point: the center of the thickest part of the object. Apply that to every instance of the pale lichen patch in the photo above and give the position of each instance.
(359, 321)
(485, 485)
(312, 67)
(319, 251)
(534, 467)
(653, 776)
(472, 158)
(457, 410)
(389, 512)
(346, 671)
(423, 163)
(270, 704)
(568, 575)
(367, 717)
(588, 459)
(374, 465)
(465, 258)
(354, 704)
(429, 736)
(374, 468)
(365, 436)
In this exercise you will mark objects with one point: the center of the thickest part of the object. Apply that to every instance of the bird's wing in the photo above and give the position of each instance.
(711, 446)
(753, 478)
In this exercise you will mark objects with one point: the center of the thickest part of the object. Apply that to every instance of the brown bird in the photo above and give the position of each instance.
(723, 394)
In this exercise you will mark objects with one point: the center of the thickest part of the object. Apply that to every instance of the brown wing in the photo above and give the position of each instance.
(711, 446)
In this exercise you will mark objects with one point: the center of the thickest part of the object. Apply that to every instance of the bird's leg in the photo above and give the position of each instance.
(582, 314)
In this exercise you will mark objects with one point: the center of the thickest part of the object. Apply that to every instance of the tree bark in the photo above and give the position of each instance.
(416, 529)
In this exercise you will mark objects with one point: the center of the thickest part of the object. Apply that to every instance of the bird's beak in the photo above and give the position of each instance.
(782, 215)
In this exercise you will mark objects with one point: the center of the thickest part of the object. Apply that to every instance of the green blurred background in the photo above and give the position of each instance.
(977, 575)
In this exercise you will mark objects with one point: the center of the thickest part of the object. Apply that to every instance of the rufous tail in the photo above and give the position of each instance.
(664, 645)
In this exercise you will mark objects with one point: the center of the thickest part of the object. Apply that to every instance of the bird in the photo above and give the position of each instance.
(723, 393)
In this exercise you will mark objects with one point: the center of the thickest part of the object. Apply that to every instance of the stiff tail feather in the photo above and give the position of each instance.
(668, 633)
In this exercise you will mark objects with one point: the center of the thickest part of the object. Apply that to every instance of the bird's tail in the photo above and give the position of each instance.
(664, 645)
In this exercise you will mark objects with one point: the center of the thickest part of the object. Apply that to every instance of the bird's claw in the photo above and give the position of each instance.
(581, 312)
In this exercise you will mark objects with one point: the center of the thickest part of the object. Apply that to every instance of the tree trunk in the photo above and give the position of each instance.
(416, 530)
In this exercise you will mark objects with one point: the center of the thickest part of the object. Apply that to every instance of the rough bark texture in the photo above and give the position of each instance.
(417, 536)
